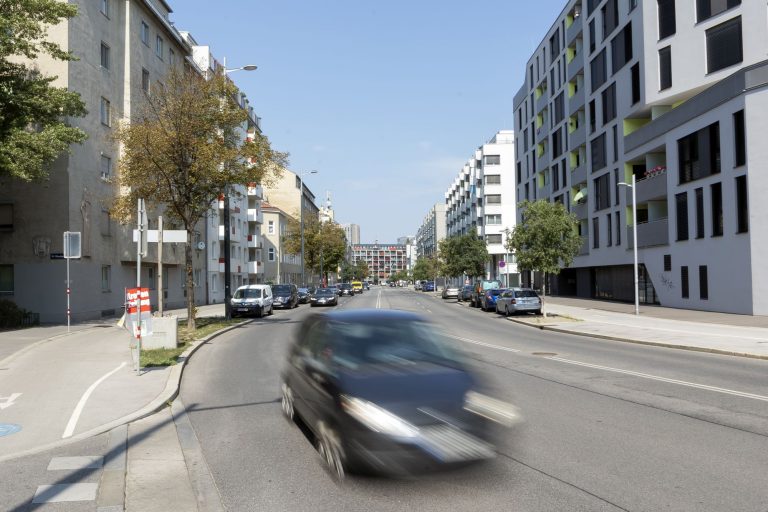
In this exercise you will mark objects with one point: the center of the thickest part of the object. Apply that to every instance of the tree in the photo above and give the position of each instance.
(362, 269)
(465, 254)
(186, 147)
(546, 240)
(324, 242)
(426, 268)
(32, 112)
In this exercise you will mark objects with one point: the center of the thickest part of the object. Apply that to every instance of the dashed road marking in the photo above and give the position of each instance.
(65, 492)
(76, 463)
(483, 344)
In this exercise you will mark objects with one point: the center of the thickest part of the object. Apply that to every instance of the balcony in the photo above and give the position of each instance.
(653, 187)
(584, 249)
(234, 236)
(542, 101)
(255, 267)
(542, 161)
(580, 210)
(255, 191)
(573, 31)
(576, 102)
(234, 267)
(577, 137)
(255, 215)
(649, 234)
(579, 175)
(254, 241)
(574, 67)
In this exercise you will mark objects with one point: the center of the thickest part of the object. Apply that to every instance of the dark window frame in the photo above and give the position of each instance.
(718, 46)
(742, 204)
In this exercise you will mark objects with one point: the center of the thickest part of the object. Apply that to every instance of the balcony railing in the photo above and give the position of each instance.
(576, 102)
(652, 187)
(255, 267)
(255, 215)
(584, 249)
(254, 241)
(649, 234)
(573, 31)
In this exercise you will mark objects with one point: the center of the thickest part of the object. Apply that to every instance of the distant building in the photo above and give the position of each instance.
(383, 259)
(352, 232)
(431, 231)
(279, 266)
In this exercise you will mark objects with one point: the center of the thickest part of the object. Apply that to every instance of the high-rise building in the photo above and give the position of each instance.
(672, 94)
(352, 232)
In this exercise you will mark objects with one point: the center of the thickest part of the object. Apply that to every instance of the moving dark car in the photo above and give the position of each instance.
(303, 295)
(380, 391)
(346, 289)
(324, 297)
(285, 296)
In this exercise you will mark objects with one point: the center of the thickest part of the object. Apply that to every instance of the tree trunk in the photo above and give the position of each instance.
(190, 283)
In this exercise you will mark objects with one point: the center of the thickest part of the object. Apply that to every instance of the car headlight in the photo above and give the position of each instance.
(376, 418)
(491, 408)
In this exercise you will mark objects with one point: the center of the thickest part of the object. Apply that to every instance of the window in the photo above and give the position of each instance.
(171, 57)
(106, 224)
(681, 203)
(559, 107)
(104, 55)
(6, 217)
(106, 278)
(705, 9)
(196, 278)
(699, 193)
(271, 254)
(739, 139)
(632, 5)
(615, 139)
(592, 117)
(145, 81)
(618, 228)
(6, 279)
(665, 68)
(106, 167)
(666, 18)
(493, 199)
(724, 46)
(519, 172)
(703, 284)
(106, 116)
(592, 36)
(492, 220)
(492, 160)
(635, 83)
(271, 227)
(104, 7)
(557, 143)
(598, 70)
(159, 46)
(602, 190)
(596, 233)
(742, 206)
(610, 17)
(609, 230)
(597, 149)
(716, 193)
(554, 44)
(621, 48)
(699, 154)
(609, 103)
(493, 179)
(616, 186)
(667, 263)
(493, 239)
(151, 273)
(684, 281)
(144, 33)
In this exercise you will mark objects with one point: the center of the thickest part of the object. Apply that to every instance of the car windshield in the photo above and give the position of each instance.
(325, 292)
(392, 343)
(281, 289)
(303, 290)
(525, 293)
(345, 286)
(248, 293)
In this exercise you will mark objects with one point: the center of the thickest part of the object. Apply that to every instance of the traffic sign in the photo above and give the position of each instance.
(72, 245)
(502, 264)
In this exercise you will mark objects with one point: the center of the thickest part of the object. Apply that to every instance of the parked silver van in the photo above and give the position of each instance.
(252, 299)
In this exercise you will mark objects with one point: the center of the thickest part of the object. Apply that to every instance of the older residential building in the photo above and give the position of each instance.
(383, 259)
(124, 48)
(672, 94)
(482, 197)
(279, 266)
(431, 231)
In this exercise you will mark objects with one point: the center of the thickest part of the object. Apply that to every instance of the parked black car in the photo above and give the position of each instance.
(285, 296)
(381, 391)
(465, 293)
(303, 295)
(346, 289)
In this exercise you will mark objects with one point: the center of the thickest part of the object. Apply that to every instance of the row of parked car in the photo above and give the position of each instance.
(262, 299)
(490, 296)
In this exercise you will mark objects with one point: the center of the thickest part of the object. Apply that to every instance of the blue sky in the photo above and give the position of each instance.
(386, 100)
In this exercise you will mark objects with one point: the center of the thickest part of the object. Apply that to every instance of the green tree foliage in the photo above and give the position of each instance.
(547, 238)
(33, 131)
(185, 147)
(465, 254)
(426, 268)
(324, 242)
(362, 270)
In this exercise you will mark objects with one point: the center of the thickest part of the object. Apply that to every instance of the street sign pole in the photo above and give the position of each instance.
(72, 249)
(140, 250)
(69, 290)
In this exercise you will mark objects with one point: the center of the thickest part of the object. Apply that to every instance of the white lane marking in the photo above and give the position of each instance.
(378, 300)
(664, 379)
(7, 401)
(497, 347)
(79, 408)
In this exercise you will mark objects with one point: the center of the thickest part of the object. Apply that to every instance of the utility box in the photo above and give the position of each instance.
(165, 331)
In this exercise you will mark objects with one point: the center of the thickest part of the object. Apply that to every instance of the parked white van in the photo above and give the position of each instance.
(252, 299)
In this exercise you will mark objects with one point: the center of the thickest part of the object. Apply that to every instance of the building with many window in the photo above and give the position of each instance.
(279, 266)
(383, 259)
(672, 94)
(482, 197)
(431, 231)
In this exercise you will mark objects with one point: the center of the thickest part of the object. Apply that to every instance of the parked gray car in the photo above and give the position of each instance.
(450, 292)
(518, 300)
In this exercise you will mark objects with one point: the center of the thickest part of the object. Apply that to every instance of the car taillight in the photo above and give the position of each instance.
(514, 301)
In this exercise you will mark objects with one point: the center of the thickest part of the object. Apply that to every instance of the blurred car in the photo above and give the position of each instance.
(428, 286)
(252, 299)
(346, 289)
(488, 300)
(303, 294)
(465, 293)
(450, 292)
(366, 285)
(381, 391)
(518, 300)
(285, 296)
(417, 286)
(479, 288)
(357, 286)
(324, 297)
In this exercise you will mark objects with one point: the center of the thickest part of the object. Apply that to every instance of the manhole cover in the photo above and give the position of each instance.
(6, 429)
(544, 354)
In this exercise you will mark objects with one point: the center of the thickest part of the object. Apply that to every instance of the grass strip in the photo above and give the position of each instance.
(168, 356)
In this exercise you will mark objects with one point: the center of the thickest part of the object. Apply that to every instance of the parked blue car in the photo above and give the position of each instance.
(429, 286)
(488, 300)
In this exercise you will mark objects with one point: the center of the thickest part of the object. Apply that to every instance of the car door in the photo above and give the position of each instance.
(319, 380)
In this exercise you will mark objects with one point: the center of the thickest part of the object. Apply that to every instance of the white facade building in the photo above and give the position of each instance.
(483, 197)
(352, 232)
(674, 94)
(431, 231)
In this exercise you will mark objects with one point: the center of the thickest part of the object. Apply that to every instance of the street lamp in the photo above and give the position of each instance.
(634, 239)
(301, 216)
(227, 263)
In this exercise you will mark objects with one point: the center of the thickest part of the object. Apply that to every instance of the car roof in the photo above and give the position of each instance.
(253, 286)
(368, 315)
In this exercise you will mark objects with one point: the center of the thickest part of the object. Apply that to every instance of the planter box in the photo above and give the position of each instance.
(164, 333)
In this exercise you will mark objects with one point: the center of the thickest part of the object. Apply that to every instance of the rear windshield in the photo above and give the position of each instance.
(248, 293)
(526, 293)
(281, 288)
(494, 292)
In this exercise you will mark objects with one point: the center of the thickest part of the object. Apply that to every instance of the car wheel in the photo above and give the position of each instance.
(271, 310)
(506, 311)
(538, 312)
(259, 313)
(287, 402)
(329, 447)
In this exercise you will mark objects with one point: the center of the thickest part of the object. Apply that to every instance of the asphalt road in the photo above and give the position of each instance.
(608, 425)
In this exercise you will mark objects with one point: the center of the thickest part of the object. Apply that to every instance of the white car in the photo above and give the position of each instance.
(252, 299)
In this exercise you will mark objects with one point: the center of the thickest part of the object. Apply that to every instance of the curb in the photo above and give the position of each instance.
(162, 400)
(640, 342)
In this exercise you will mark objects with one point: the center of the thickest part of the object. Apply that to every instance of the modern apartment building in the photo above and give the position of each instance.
(431, 231)
(483, 197)
(673, 94)
(124, 48)
(411, 251)
(279, 266)
(383, 259)
(352, 232)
